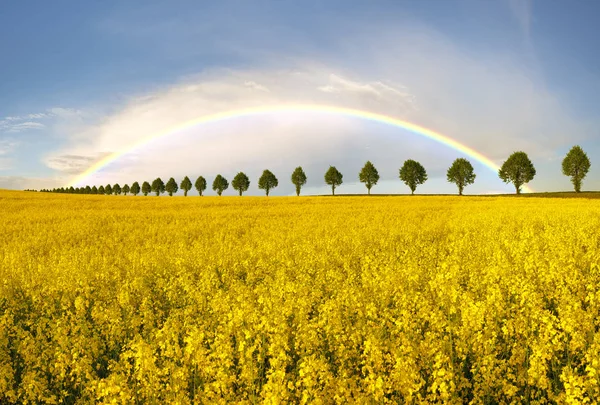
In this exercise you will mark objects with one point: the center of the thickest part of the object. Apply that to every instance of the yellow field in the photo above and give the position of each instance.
(108, 299)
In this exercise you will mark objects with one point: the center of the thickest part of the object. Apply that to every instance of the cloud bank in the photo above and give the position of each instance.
(490, 102)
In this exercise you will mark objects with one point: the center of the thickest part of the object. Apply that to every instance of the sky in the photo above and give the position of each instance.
(80, 81)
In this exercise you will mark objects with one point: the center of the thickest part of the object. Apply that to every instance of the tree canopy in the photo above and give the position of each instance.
(158, 186)
(108, 189)
(146, 188)
(126, 189)
(518, 170)
(576, 165)
(220, 184)
(171, 187)
(369, 176)
(186, 185)
(334, 178)
(267, 181)
(461, 173)
(298, 179)
(200, 185)
(240, 182)
(413, 174)
(135, 188)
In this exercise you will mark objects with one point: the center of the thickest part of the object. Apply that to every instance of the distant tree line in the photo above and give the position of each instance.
(517, 169)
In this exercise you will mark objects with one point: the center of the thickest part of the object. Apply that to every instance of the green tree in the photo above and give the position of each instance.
(135, 188)
(126, 189)
(171, 187)
(412, 174)
(200, 185)
(517, 170)
(334, 178)
(117, 189)
(101, 190)
(88, 190)
(108, 189)
(186, 185)
(369, 176)
(267, 181)
(146, 188)
(220, 184)
(461, 173)
(94, 190)
(71, 190)
(240, 182)
(158, 186)
(576, 165)
(298, 179)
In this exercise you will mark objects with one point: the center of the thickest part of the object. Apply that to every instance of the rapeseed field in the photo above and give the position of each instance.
(203, 300)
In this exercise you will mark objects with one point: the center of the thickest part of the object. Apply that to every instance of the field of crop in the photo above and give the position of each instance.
(108, 299)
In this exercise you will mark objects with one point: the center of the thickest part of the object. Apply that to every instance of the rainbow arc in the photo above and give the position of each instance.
(295, 108)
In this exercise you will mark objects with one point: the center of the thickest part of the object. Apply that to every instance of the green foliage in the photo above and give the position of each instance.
(101, 190)
(461, 173)
(171, 187)
(334, 178)
(186, 185)
(94, 190)
(71, 190)
(126, 189)
(517, 170)
(117, 189)
(240, 182)
(200, 185)
(158, 186)
(88, 190)
(146, 188)
(267, 181)
(298, 179)
(412, 174)
(108, 189)
(576, 165)
(220, 184)
(369, 176)
(135, 188)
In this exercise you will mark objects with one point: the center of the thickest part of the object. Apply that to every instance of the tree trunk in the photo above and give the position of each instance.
(332, 190)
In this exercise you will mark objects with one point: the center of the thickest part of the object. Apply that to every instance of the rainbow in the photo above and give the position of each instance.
(295, 108)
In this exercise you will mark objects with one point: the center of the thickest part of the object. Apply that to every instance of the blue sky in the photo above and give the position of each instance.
(80, 80)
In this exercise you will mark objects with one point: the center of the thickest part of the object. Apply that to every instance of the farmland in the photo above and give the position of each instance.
(114, 299)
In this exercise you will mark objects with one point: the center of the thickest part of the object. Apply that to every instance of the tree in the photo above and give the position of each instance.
(200, 185)
(186, 185)
(576, 165)
(158, 186)
(88, 190)
(135, 188)
(72, 190)
(94, 190)
(334, 178)
(240, 182)
(146, 188)
(117, 189)
(517, 170)
(126, 189)
(461, 173)
(267, 181)
(369, 176)
(108, 189)
(220, 184)
(171, 187)
(412, 174)
(101, 190)
(298, 179)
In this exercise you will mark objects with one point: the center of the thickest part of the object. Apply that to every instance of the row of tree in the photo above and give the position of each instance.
(517, 169)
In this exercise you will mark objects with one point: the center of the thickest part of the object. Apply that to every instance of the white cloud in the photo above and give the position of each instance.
(487, 101)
